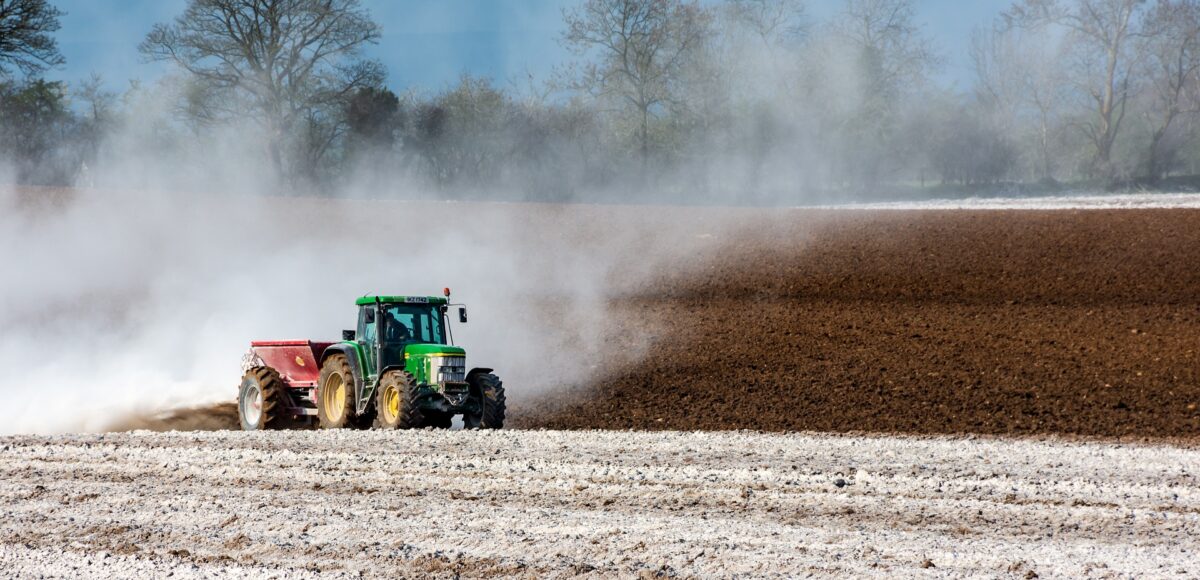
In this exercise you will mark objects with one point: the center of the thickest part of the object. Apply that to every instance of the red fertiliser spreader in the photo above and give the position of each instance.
(283, 364)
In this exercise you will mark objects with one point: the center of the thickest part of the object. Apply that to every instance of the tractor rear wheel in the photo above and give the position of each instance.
(335, 394)
(396, 402)
(260, 400)
(491, 403)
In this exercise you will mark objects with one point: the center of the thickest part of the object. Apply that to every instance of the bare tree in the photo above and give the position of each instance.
(758, 42)
(98, 112)
(892, 59)
(98, 100)
(290, 64)
(640, 48)
(1047, 91)
(1103, 32)
(965, 150)
(1019, 79)
(1172, 60)
(999, 66)
(25, 41)
(893, 50)
(774, 22)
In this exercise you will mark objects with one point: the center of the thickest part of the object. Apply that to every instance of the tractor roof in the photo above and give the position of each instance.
(401, 299)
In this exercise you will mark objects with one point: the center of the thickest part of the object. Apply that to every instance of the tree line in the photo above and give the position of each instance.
(752, 100)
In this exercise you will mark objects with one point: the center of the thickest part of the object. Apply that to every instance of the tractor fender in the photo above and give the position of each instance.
(473, 388)
(355, 365)
(398, 367)
(477, 371)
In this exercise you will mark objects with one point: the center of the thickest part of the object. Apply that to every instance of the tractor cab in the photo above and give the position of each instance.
(399, 323)
(394, 330)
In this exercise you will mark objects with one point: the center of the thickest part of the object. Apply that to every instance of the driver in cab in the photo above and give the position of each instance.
(394, 330)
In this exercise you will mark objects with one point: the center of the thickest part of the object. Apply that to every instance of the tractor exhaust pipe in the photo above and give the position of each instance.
(380, 337)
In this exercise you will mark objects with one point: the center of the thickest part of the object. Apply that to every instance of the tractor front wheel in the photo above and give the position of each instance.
(491, 403)
(396, 402)
(335, 394)
(260, 399)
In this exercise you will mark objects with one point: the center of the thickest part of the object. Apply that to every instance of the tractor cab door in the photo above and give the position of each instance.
(368, 339)
(395, 334)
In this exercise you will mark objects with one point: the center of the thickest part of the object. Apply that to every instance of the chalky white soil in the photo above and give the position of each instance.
(601, 504)
(1070, 201)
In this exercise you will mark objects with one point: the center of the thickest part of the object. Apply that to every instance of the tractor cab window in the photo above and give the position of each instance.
(398, 327)
(413, 323)
(366, 324)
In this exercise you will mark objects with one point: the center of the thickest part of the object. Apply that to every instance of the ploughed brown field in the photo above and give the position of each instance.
(993, 322)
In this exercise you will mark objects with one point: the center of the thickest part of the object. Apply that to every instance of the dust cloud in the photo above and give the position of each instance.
(138, 290)
(128, 302)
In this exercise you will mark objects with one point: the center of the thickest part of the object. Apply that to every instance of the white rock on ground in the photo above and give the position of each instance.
(602, 504)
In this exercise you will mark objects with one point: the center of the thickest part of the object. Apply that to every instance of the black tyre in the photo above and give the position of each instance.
(491, 403)
(396, 402)
(260, 400)
(335, 394)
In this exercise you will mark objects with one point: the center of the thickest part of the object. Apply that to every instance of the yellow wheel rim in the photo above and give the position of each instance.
(391, 399)
(334, 397)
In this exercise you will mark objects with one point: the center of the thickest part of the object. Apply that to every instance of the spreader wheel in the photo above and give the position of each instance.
(491, 403)
(260, 400)
(396, 402)
(335, 394)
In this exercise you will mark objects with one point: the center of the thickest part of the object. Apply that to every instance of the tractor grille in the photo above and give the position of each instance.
(448, 369)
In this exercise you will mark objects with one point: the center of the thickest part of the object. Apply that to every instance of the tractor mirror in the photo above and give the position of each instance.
(462, 315)
(347, 335)
(369, 316)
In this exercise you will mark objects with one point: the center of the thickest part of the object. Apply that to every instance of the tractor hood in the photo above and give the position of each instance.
(436, 364)
(433, 350)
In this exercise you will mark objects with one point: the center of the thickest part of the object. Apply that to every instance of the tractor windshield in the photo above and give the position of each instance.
(413, 323)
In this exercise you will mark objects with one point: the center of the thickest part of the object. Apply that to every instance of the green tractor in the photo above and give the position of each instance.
(398, 370)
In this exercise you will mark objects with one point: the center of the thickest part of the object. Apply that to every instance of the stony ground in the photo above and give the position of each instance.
(599, 504)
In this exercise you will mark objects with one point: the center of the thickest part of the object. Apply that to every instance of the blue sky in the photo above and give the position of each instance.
(428, 43)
